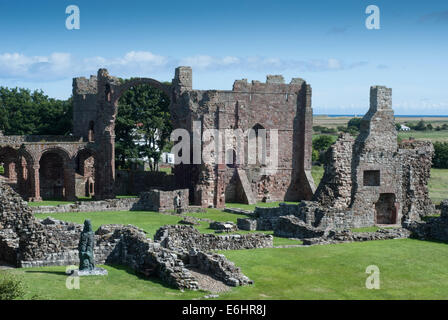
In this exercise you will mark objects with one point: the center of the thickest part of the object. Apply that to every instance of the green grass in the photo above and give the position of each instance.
(438, 185)
(146, 220)
(409, 269)
(122, 283)
(317, 172)
(433, 136)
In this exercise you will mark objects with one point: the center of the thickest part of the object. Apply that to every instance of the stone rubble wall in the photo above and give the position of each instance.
(154, 200)
(435, 228)
(292, 227)
(218, 266)
(28, 242)
(334, 237)
(128, 204)
(187, 237)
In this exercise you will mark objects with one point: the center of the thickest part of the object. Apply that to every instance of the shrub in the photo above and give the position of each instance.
(441, 155)
(354, 122)
(11, 287)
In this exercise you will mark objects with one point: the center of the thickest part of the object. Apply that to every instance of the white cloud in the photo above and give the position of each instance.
(59, 65)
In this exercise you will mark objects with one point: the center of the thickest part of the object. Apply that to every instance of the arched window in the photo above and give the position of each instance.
(231, 158)
(91, 131)
(107, 93)
(260, 144)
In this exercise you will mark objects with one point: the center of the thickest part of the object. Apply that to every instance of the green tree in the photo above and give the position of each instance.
(143, 116)
(441, 155)
(26, 112)
(355, 123)
(420, 126)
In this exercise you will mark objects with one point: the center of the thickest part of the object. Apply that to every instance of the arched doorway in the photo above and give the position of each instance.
(85, 174)
(55, 176)
(9, 163)
(385, 209)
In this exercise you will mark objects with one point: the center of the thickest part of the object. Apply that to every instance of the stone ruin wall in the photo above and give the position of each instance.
(367, 181)
(273, 105)
(270, 105)
(28, 242)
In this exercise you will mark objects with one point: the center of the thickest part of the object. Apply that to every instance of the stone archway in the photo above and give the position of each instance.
(56, 175)
(110, 90)
(85, 169)
(385, 209)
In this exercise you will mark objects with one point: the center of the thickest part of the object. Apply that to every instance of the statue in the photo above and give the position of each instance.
(178, 203)
(85, 247)
(85, 251)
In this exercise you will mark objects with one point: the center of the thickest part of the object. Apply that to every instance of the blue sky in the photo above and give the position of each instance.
(324, 42)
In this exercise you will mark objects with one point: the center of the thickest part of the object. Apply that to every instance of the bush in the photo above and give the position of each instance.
(354, 122)
(322, 142)
(441, 155)
(320, 146)
(10, 287)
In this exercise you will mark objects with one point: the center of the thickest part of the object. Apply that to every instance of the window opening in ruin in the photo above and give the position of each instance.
(372, 178)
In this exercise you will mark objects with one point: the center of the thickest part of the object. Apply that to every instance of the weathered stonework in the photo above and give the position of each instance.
(373, 180)
(186, 237)
(370, 180)
(28, 242)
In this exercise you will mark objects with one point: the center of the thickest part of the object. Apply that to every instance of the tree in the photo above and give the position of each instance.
(320, 145)
(354, 122)
(441, 155)
(143, 116)
(323, 142)
(420, 126)
(23, 112)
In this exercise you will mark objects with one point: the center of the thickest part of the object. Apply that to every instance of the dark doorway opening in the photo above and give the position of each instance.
(386, 211)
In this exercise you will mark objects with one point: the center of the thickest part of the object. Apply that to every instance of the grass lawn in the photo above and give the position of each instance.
(433, 136)
(152, 221)
(438, 185)
(409, 269)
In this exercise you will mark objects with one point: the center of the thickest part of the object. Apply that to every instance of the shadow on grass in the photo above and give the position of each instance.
(59, 273)
(153, 278)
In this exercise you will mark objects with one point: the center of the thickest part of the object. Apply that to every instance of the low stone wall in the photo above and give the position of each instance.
(292, 227)
(218, 266)
(93, 206)
(162, 201)
(434, 228)
(187, 237)
(154, 200)
(348, 236)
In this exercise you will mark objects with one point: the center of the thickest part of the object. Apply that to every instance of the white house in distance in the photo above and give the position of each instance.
(404, 128)
(141, 141)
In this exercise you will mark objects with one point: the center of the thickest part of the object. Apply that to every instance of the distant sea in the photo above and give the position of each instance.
(397, 115)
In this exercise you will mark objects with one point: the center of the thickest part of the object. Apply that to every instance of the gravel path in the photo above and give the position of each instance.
(208, 283)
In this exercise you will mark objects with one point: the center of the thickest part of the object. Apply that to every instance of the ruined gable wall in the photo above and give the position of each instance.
(416, 158)
(273, 105)
(335, 187)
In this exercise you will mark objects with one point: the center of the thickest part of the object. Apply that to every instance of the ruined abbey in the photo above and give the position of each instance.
(52, 167)
(370, 180)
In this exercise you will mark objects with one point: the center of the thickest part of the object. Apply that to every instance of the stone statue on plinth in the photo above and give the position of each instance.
(85, 251)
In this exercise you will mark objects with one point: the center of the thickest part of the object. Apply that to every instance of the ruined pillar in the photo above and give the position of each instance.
(34, 183)
(69, 183)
